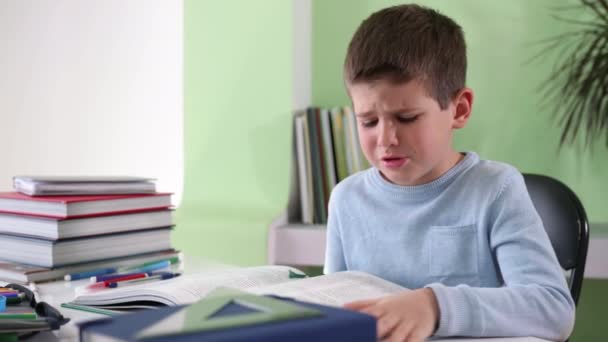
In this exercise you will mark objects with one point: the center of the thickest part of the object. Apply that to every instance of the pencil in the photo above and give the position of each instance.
(89, 309)
(27, 315)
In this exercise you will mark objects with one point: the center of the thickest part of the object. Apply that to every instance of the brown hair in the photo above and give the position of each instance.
(407, 42)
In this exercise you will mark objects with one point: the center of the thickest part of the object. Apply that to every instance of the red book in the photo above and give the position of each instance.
(81, 206)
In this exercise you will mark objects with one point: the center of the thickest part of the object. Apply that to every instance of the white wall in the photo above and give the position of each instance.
(302, 54)
(92, 87)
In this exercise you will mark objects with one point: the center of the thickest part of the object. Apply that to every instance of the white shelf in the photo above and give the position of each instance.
(292, 243)
(296, 244)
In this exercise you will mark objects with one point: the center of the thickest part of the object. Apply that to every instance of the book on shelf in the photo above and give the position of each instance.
(317, 164)
(82, 185)
(339, 143)
(55, 229)
(303, 169)
(22, 273)
(82, 205)
(49, 253)
(326, 148)
(333, 289)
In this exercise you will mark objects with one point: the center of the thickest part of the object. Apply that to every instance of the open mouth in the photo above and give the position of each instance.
(394, 162)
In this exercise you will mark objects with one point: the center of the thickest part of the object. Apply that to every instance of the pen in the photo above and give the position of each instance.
(106, 283)
(27, 315)
(143, 280)
(87, 274)
(14, 300)
(14, 295)
(171, 261)
(154, 266)
(97, 279)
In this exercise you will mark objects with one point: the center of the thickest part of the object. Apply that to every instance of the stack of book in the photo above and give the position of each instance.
(53, 226)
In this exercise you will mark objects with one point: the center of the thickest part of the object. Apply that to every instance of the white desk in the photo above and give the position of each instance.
(56, 293)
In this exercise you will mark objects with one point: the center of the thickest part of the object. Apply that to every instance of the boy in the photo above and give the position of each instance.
(459, 231)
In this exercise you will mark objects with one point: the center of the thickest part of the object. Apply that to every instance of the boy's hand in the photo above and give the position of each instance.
(408, 316)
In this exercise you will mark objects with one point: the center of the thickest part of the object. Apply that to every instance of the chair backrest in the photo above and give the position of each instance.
(566, 224)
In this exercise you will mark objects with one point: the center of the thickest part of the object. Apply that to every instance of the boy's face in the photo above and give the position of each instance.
(404, 132)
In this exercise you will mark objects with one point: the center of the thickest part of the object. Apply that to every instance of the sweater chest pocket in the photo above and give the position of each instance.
(453, 251)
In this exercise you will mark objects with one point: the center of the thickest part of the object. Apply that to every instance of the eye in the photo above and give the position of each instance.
(408, 119)
(369, 123)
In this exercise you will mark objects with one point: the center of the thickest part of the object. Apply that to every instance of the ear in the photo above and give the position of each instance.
(463, 105)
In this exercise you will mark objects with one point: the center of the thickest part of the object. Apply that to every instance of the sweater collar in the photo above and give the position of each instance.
(426, 190)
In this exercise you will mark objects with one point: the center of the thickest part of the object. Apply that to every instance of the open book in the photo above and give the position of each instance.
(333, 289)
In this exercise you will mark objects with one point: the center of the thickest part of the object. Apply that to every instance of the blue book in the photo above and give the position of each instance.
(328, 324)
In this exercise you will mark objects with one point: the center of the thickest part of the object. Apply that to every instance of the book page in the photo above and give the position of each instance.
(188, 288)
(334, 289)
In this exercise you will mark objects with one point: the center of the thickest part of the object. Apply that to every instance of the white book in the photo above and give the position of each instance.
(309, 186)
(303, 175)
(350, 166)
(354, 148)
(334, 289)
(83, 185)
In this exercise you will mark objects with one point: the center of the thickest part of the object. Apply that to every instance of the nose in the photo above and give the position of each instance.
(387, 134)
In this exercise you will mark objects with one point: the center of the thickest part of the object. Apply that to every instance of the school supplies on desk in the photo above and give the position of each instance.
(112, 276)
(154, 266)
(106, 283)
(79, 185)
(333, 289)
(21, 273)
(88, 274)
(141, 268)
(30, 317)
(138, 281)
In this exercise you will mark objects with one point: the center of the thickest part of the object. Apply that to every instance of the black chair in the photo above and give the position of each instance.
(566, 224)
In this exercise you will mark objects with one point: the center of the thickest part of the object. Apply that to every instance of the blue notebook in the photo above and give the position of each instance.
(329, 324)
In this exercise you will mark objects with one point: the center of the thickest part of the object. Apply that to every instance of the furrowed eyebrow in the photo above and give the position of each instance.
(364, 114)
(392, 112)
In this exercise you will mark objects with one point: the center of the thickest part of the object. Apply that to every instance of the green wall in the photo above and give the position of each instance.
(238, 77)
(508, 122)
(238, 99)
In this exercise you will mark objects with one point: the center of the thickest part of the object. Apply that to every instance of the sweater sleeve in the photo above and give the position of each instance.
(534, 299)
(334, 254)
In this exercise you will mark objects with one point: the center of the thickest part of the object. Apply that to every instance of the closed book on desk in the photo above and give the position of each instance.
(56, 229)
(331, 324)
(82, 185)
(48, 253)
(80, 206)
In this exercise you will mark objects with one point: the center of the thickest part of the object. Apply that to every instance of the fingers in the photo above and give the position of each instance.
(360, 304)
(385, 325)
(402, 332)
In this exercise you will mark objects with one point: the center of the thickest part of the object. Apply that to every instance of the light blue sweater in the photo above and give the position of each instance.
(472, 235)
